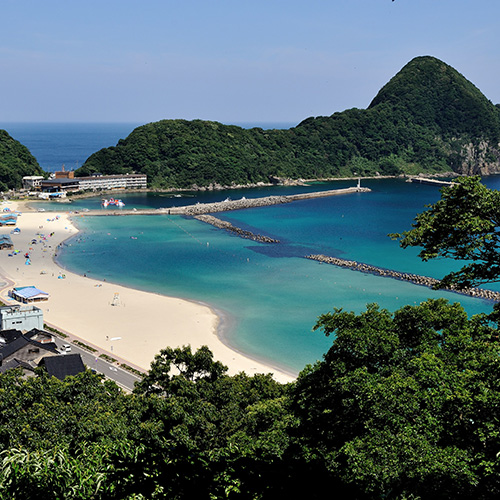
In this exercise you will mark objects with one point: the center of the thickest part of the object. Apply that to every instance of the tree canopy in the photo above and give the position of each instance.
(15, 162)
(403, 405)
(464, 225)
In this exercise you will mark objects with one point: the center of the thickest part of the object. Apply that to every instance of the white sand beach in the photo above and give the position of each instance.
(95, 312)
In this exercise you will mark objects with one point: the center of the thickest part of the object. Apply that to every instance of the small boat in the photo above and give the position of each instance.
(113, 202)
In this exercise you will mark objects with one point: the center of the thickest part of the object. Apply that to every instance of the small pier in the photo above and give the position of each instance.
(430, 182)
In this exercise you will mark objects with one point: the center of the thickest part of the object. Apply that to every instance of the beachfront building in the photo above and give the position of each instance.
(21, 318)
(8, 219)
(60, 185)
(23, 351)
(106, 182)
(28, 294)
(63, 366)
(96, 182)
(31, 182)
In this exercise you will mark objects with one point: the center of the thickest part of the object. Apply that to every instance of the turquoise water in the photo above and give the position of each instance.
(270, 295)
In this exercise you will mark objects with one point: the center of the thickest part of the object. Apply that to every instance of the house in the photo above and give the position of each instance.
(21, 317)
(28, 294)
(36, 348)
(63, 366)
(24, 351)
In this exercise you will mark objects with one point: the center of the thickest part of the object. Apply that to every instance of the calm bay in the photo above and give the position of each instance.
(269, 296)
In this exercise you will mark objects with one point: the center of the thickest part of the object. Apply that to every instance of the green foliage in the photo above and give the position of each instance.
(441, 99)
(418, 122)
(464, 225)
(15, 163)
(405, 403)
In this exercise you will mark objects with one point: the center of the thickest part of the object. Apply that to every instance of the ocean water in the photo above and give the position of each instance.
(68, 144)
(269, 296)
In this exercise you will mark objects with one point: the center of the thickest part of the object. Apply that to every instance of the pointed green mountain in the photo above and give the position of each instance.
(428, 118)
(440, 98)
(15, 162)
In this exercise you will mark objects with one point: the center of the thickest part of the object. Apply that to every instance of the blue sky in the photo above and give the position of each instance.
(232, 61)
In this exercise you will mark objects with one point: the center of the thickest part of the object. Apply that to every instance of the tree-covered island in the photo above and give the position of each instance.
(428, 118)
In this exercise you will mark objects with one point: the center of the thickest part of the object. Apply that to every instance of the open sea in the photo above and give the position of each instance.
(269, 296)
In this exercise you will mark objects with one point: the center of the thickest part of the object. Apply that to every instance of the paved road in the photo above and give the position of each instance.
(123, 378)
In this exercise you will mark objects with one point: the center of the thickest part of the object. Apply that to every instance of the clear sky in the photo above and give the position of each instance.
(233, 61)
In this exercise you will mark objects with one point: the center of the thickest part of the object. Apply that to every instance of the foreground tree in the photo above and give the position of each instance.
(464, 225)
(404, 404)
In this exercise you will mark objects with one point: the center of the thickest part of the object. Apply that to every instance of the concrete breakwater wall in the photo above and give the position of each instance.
(242, 233)
(412, 278)
(430, 182)
(224, 206)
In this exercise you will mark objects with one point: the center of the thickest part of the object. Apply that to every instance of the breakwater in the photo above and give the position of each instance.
(242, 233)
(412, 278)
(226, 205)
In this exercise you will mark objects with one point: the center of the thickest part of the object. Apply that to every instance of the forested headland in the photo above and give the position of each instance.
(15, 162)
(427, 118)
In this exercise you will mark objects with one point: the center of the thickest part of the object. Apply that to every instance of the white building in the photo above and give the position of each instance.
(128, 181)
(32, 181)
(21, 318)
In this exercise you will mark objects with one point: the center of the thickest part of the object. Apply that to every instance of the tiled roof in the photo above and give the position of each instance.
(63, 365)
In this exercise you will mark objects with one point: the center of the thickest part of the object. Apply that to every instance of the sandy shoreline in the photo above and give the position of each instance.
(94, 312)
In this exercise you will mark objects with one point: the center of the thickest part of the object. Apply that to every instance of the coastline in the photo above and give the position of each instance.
(83, 307)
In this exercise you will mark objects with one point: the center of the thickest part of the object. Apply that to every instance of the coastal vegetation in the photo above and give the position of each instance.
(403, 405)
(427, 118)
(15, 162)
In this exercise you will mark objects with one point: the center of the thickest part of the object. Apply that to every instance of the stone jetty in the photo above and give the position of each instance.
(412, 278)
(242, 233)
(226, 205)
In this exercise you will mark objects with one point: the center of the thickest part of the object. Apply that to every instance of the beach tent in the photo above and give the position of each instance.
(27, 294)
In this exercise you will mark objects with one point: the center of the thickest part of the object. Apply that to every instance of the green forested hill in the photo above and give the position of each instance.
(15, 162)
(428, 118)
